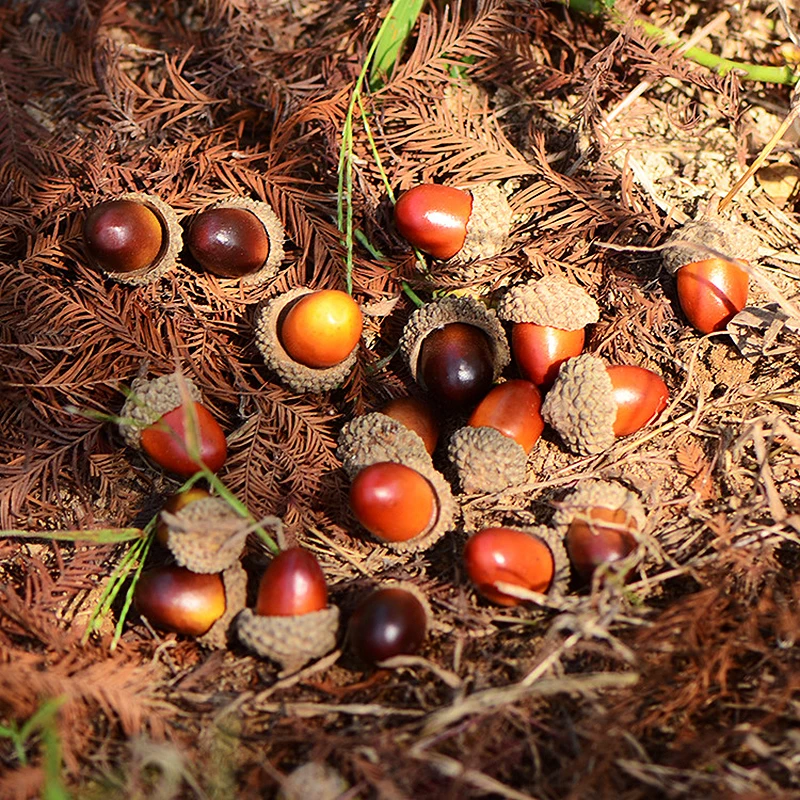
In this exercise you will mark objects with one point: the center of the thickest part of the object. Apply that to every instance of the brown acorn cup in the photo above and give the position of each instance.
(234, 579)
(552, 301)
(485, 460)
(295, 375)
(275, 235)
(375, 438)
(171, 245)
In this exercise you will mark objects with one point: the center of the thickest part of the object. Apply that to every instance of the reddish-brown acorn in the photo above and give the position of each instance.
(293, 584)
(228, 241)
(167, 441)
(433, 218)
(510, 556)
(387, 623)
(711, 292)
(393, 502)
(640, 396)
(123, 235)
(417, 416)
(599, 536)
(176, 503)
(514, 409)
(175, 599)
(539, 350)
(321, 328)
(456, 364)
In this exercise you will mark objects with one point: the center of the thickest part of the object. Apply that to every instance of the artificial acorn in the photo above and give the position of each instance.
(133, 238)
(548, 319)
(292, 622)
(590, 404)
(161, 417)
(309, 338)
(389, 622)
(237, 238)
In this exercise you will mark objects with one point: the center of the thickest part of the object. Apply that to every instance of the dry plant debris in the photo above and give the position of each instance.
(682, 682)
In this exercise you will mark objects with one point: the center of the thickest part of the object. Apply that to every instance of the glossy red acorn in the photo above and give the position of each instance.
(599, 536)
(640, 395)
(514, 409)
(433, 218)
(539, 350)
(711, 292)
(165, 441)
(293, 584)
(417, 416)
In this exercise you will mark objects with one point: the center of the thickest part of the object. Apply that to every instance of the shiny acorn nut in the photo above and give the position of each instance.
(293, 584)
(175, 599)
(455, 364)
(176, 503)
(433, 218)
(417, 416)
(321, 329)
(640, 396)
(508, 555)
(395, 503)
(514, 409)
(712, 292)
(230, 242)
(390, 622)
(540, 350)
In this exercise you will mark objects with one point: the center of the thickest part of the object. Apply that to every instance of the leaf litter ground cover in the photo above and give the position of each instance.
(679, 682)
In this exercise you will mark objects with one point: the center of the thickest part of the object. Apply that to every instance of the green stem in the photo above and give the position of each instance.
(722, 66)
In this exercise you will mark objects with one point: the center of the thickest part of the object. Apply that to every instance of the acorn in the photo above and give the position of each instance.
(455, 225)
(175, 503)
(391, 621)
(292, 622)
(239, 239)
(173, 598)
(531, 558)
(309, 338)
(548, 319)
(601, 523)
(455, 348)
(206, 535)
(157, 420)
(590, 404)
(133, 238)
(377, 439)
(416, 415)
(712, 286)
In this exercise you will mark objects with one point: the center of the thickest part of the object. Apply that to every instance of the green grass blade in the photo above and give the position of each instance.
(391, 39)
(95, 536)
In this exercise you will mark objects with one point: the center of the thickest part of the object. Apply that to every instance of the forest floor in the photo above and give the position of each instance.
(683, 683)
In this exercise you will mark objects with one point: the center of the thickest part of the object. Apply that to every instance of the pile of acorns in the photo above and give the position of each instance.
(457, 350)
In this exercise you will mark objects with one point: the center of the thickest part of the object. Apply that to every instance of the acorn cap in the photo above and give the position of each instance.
(591, 494)
(374, 439)
(488, 226)
(552, 301)
(206, 536)
(234, 580)
(313, 781)
(731, 238)
(580, 405)
(444, 310)
(295, 375)
(486, 460)
(275, 234)
(290, 641)
(171, 244)
(149, 399)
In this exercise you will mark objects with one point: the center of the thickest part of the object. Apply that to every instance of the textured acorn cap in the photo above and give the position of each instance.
(731, 238)
(592, 494)
(374, 439)
(206, 536)
(234, 580)
(580, 405)
(313, 781)
(171, 242)
(290, 641)
(488, 226)
(275, 234)
(443, 311)
(149, 400)
(295, 375)
(486, 460)
(552, 301)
